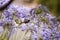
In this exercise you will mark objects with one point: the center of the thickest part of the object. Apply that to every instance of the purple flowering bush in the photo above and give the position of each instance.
(38, 21)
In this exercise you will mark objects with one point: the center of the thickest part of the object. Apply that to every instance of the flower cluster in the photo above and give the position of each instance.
(41, 24)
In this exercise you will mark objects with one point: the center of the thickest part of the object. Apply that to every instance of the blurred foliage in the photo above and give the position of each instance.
(37, 11)
(52, 5)
(29, 1)
(58, 7)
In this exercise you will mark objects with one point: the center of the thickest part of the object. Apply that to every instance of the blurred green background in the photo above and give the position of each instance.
(52, 5)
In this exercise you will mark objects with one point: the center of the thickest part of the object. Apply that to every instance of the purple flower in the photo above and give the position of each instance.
(57, 35)
(46, 38)
(32, 11)
(23, 26)
(1, 23)
(15, 30)
(45, 33)
(50, 16)
(6, 13)
(21, 15)
(36, 28)
(30, 26)
(34, 36)
(54, 27)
